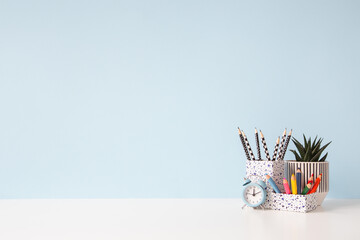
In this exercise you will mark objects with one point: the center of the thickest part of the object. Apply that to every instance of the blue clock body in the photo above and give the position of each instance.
(253, 194)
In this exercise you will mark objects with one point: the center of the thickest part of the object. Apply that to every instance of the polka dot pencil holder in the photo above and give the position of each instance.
(291, 202)
(256, 170)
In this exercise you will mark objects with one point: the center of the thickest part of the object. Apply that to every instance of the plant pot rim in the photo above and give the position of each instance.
(304, 162)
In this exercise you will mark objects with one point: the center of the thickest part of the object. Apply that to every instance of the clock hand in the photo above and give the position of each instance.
(253, 192)
(257, 193)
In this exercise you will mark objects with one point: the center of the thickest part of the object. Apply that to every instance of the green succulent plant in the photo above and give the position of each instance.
(309, 151)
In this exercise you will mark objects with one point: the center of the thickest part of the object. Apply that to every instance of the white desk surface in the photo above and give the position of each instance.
(172, 219)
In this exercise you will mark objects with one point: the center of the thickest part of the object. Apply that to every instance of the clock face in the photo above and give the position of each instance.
(254, 195)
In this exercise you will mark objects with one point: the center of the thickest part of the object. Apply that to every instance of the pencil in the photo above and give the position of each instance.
(282, 144)
(298, 180)
(248, 146)
(264, 145)
(272, 183)
(257, 144)
(243, 143)
(317, 182)
(311, 179)
(276, 149)
(293, 184)
(286, 186)
(286, 145)
(306, 189)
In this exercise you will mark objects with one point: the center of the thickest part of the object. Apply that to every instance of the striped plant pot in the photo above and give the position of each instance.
(307, 168)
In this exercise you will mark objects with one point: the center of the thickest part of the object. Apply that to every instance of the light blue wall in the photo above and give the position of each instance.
(137, 99)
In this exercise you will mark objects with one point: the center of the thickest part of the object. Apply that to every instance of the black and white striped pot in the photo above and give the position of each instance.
(307, 168)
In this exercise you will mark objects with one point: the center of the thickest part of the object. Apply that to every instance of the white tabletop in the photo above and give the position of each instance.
(172, 219)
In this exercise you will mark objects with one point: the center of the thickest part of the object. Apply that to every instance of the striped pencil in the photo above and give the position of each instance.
(276, 149)
(264, 145)
(286, 186)
(282, 144)
(317, 182)
(244, 145)
(286, 145)
(293, 184)
(306, 189)
(248, 146)
(298, 180)
(257, 144)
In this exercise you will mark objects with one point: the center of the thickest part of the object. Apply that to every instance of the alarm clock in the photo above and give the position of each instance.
(253, 193)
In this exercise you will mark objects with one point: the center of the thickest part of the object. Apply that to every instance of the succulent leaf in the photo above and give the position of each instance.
(316, 147)
(299, 147)
(314, 143)
(298, 158)
(305, 142)
(323, 158)
(307, 154)
(309, 151)
(317, 156)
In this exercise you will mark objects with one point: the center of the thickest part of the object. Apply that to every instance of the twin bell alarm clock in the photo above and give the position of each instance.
(253, 193)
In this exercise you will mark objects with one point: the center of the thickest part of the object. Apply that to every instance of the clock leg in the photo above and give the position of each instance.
(243, 206)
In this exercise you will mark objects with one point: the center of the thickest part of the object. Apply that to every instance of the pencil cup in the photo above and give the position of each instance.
(308, 168)
(291, 202)
(256, 170)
